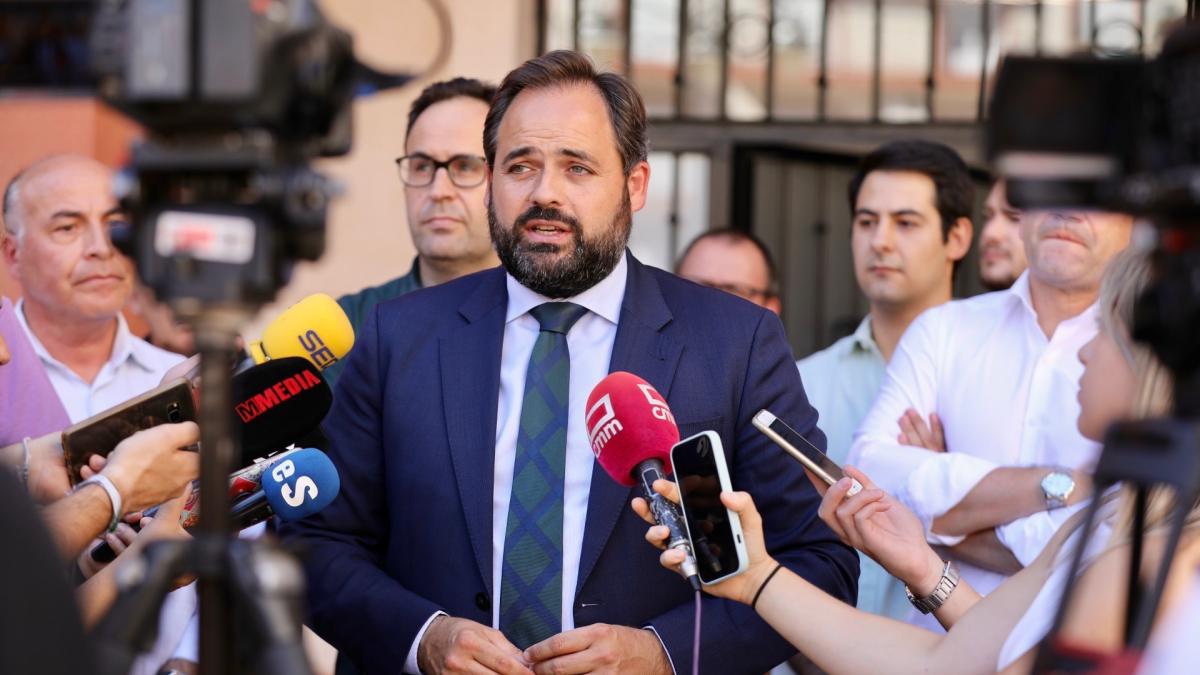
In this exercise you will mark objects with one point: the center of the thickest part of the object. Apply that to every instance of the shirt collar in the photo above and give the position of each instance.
(1021, 292)
(126, 345)
(861, 339)
(604, 299)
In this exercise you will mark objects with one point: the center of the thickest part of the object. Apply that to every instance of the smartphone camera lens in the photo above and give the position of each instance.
(174, 414)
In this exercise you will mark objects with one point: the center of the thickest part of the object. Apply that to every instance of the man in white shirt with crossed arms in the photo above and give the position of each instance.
(997, 375)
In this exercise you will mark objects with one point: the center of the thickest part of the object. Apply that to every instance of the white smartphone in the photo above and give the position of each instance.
(714, 531)
(799, 447)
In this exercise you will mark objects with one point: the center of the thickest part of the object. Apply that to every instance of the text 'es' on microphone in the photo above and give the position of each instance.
(631, 431)
(316, 328)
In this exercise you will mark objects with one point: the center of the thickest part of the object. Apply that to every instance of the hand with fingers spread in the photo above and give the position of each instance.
(742, 587)
(914, 431)
(600, 648)
(875, 523)
(454, 645)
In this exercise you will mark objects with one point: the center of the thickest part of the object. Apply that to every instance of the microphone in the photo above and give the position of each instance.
(277, 403)
(316, 328)
(300, 483)
(631, 430)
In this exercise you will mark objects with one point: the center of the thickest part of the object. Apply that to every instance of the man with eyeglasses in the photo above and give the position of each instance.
(732, 261)
(443, 173)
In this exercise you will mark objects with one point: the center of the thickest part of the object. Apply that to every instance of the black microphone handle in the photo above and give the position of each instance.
(667, 515)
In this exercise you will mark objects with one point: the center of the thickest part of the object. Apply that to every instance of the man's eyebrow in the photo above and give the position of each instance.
(114, 211)
(577, 154)
(865, 212)
(63, 213)
(907, 212)
(518, 152)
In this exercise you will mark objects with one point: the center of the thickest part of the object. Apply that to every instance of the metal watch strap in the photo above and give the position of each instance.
(945, 586)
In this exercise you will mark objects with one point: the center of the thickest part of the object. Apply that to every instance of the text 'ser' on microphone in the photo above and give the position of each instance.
(631, 430)
(316, 328)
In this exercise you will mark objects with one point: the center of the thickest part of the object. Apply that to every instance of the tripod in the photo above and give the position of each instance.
(253, 582)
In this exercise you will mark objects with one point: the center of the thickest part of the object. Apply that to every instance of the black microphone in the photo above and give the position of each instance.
(277, 403)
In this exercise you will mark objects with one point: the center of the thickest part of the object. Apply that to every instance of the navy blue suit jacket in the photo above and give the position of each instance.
(413, 431)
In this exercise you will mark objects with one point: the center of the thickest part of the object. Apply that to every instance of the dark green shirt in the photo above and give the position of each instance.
(358, 306)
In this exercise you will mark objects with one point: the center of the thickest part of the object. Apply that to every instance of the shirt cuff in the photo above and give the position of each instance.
(410, 663)
(664, 648)
(1026, 537)
(938, 484)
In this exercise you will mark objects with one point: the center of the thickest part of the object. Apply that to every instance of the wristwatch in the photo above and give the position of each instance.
(945, 586)
(1057, 487)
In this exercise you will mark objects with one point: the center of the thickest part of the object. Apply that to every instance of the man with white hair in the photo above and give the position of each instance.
(57, 214)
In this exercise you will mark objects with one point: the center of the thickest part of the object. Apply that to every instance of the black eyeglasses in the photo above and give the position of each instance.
(465, 171)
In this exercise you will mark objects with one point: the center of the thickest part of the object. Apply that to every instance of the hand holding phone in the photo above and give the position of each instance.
(170, 402)
(815, 462)
(715, 531)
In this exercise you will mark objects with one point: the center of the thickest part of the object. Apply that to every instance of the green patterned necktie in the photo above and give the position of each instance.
(531, 578)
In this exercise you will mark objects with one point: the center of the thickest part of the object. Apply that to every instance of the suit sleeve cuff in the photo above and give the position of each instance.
(662, 644)
(410, 663)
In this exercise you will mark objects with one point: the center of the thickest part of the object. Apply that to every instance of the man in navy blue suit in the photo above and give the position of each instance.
(473, 532)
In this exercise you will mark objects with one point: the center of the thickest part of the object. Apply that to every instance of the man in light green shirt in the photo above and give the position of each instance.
(911, 206)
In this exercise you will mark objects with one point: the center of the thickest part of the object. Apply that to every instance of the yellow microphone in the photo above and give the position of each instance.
(315, 328)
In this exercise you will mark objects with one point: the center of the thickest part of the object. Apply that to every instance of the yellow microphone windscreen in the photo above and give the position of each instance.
(315, 328)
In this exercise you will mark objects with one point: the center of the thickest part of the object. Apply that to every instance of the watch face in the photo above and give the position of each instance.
(1057, 484)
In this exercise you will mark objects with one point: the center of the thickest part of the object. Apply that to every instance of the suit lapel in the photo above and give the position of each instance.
(470, 370)
(639, 348)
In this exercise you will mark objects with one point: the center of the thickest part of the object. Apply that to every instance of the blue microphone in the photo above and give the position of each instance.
(301, 484)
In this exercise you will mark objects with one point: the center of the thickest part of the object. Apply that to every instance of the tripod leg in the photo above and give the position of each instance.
(267, 587)
(131, 626)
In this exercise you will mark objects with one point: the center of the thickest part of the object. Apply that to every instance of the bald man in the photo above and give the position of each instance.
(57, 214)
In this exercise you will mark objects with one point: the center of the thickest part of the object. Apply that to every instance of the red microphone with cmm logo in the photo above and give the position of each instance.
(631, 429)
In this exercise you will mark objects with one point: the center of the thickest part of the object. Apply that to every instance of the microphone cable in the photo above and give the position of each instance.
(696, 638)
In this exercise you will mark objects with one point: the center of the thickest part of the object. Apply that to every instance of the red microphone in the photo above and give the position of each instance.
(631, 430)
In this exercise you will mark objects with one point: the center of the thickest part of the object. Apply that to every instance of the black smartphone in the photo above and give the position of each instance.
(171, 402)
(714, 531)
(800, 448)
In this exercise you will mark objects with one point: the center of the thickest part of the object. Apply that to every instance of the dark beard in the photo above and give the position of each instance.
(590, 261)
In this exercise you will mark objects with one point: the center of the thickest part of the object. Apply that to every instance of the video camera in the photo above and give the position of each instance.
(237, 96)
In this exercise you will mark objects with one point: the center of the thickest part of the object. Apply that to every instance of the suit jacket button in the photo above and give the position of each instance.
(483, 602)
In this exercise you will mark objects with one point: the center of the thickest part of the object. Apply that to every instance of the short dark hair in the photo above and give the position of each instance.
(954, 189)
(446, 90)
(736, 236)
(563, 67)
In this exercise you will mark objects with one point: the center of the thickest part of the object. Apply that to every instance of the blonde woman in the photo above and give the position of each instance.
(1121, 380)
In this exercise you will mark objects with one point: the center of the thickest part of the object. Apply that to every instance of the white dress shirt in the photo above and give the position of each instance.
(1006, 396)
(590, 343)
(134, 367)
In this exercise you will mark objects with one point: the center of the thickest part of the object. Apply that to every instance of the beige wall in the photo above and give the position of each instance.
(368, 240)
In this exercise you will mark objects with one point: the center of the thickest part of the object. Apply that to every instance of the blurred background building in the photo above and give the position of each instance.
(759, 108)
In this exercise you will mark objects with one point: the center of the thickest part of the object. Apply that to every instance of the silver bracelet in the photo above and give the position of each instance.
(114, 496)
(24, 475)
